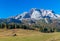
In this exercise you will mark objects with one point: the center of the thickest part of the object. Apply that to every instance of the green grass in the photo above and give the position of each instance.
(28, 35)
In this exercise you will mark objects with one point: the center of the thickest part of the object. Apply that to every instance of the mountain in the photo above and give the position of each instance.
(37, 14)
(34, 15)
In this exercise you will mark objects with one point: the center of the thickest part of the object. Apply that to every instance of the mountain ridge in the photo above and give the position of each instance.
(33, 15)
(37, 14)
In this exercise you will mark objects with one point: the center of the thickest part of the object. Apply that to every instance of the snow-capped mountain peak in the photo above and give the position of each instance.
(37, 14)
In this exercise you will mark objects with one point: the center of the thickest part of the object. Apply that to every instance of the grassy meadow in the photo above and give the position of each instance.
(28, 35)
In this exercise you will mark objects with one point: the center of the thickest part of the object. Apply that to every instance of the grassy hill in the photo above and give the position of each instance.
(28, 35)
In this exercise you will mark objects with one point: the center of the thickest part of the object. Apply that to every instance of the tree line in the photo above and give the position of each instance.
(39, 26)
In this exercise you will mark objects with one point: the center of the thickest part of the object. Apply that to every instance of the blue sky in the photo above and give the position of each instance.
(14, 7)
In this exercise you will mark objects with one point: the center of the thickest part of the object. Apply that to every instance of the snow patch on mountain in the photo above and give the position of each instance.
(36, 14)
